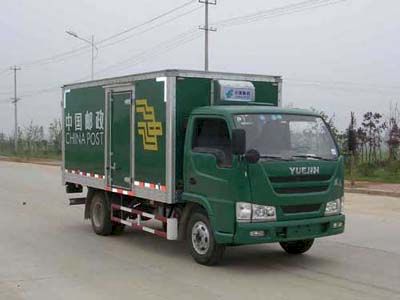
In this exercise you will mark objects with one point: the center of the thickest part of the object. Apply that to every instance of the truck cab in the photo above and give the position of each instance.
(264, 174)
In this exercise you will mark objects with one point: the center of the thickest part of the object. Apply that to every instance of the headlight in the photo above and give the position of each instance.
(263, 213)
(246, 212)
(334, 207)
(243, 211)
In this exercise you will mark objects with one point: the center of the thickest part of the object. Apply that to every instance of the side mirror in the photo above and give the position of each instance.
(238, 141)
(252, 156)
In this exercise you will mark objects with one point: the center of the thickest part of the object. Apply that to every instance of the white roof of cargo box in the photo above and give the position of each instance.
(174, 73)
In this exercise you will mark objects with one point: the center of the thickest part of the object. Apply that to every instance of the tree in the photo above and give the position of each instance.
(55, 134)
(374, 127)
(393, 140)
(361, 136)
(352, 145)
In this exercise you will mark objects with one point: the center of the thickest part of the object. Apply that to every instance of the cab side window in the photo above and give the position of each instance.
(211, 135)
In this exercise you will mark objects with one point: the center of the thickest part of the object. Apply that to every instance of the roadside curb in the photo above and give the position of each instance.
(372, 192)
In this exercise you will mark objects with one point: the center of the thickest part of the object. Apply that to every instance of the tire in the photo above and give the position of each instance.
(201, 242)
(297, 247)
(100, 215)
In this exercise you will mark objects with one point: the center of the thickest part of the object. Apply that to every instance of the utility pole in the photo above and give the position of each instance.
(15, 100)
(206, 29)
(92, 44)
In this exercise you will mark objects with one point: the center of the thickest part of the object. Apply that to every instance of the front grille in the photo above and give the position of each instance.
(301, 190)
(281, 179)
(293, 209)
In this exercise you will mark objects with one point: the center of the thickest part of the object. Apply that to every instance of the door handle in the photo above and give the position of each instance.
(114, 166)
(192, 180)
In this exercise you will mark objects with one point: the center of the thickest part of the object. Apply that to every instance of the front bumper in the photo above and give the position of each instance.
(281, 231)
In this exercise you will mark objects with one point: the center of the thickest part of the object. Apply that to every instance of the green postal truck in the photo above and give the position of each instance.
(210, 158)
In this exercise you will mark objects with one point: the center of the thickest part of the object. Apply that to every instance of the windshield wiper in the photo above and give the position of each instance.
(275, 157)
(313, 157)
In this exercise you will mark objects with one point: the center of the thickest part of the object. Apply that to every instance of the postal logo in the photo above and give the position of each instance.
(149, 128)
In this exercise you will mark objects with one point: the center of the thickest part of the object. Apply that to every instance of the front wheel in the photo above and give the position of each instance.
(297, 247)
(201, 242)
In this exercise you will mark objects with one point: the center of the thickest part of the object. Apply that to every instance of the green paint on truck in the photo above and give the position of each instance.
(211, 155)
(84, 123)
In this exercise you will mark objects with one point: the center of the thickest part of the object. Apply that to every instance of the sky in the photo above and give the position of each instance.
(337, 58)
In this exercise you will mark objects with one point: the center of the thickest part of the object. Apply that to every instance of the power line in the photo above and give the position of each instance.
(72, 53)
(41, 91)
(163, 47)
(6, 93)
(343, 88)
(348, 84)
(151, 28)
(4, 72)
(189, 35)
(159, 48)
(288, 9)
(275, 12)
(297, 7)
(162, 51)
(147, 22)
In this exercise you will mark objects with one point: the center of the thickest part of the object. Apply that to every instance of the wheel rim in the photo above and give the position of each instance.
(98, 214)
(200, 238)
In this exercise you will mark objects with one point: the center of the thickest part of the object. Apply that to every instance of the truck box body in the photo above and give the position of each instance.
(128, 133)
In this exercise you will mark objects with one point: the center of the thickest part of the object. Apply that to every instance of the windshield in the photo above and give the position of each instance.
(287, 136)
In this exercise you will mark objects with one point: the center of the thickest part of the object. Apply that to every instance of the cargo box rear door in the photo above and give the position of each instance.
(120, 105)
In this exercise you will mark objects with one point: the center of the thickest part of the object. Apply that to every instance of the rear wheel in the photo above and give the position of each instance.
(201, 242)
(297, 247)
(100, 215)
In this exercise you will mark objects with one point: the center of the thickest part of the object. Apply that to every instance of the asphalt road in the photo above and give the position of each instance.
(47, 251)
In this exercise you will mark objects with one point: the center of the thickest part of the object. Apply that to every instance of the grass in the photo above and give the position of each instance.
(385, 172)
(50, 155)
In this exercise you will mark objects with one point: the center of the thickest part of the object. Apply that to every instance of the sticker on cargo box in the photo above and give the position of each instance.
(148, 128)
(81, 130)
(237, 94)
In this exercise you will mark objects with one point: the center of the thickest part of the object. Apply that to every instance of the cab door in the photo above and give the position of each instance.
(211, 171)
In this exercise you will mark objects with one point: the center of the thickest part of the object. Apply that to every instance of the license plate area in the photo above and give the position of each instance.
(305, 230)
